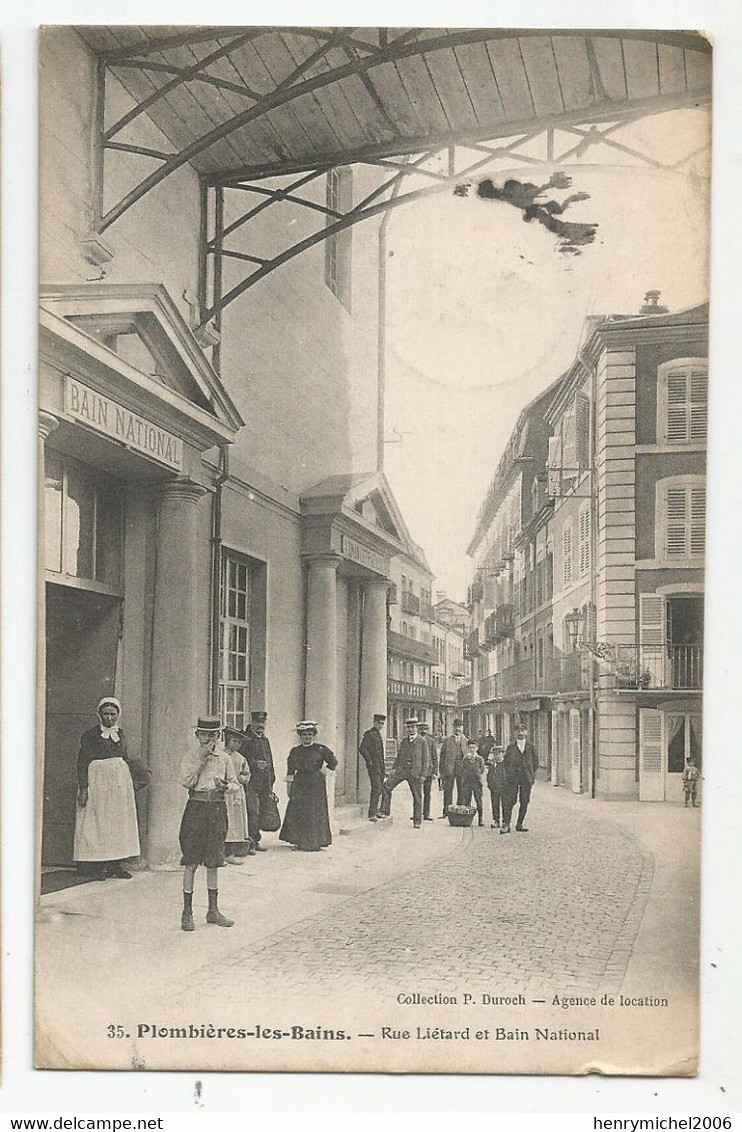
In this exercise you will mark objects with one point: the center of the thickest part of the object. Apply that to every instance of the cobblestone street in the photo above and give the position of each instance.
(559, 905)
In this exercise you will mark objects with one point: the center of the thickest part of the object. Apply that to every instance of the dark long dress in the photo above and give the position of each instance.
(307, 823)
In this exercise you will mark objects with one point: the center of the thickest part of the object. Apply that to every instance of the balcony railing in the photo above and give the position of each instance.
(410, 649)
(410, 603)
(675, 667)
(471, 645)
(427, 611)
(406, 690)
(570, 673)
(467, 695)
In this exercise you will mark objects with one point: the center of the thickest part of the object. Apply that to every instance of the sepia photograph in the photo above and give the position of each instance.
(373, 401)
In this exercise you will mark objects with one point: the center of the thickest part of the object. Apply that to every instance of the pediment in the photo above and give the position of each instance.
(142, 326)
(366, 498)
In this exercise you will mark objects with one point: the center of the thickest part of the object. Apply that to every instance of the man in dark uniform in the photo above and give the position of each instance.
(257, 750)
(521, 764)
(412, 766)
(428, 780)
(372, 753)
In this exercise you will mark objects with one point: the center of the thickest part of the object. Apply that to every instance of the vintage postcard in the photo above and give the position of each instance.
(373, 411)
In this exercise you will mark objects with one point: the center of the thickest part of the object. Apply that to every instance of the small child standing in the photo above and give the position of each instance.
(471, 778)
(497, 784)
(207, 774)
(691, 778)
(238, 844)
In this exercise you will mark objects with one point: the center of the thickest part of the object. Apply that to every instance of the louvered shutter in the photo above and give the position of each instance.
(651, 755)
(652, 640)
(697, 520)
(574, 747)
(567, 556)
(698, 406)
(582, 430)
(584, 541)
(677, 408)
(569, 448)
(553, 467)
(676, 522)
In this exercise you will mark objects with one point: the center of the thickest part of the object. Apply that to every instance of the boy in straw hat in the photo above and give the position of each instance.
(208, 774)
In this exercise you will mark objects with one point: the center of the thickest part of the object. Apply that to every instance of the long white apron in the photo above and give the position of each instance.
(106, 828)
(236, 815)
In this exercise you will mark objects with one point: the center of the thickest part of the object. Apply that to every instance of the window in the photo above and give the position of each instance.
(683, 401)
(234, 642)
(338, 246)
(584, 541)
(83, 520)
(681, 517)
(567, 555)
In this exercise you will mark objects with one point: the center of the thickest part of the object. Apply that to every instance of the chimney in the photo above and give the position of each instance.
(652, 304)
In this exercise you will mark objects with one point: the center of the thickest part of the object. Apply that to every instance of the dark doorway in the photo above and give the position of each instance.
(82, 633)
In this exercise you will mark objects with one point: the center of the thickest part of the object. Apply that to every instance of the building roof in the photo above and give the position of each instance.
(261, 101)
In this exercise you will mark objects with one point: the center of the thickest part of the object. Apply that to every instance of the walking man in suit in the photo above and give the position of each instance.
(257, 750)
(521, 764)
(428, 780)
(372, 753)
(412, 766)
(451, 756)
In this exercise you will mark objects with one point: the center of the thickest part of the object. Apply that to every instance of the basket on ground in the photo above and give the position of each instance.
(460, 815)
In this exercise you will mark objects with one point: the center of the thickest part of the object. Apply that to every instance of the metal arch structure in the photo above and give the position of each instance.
(520, 156)
(197, 87)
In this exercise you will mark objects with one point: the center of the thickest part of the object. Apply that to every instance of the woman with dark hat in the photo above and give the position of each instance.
(237, 845)
(306, 824)
(208, 775)
(106, 830)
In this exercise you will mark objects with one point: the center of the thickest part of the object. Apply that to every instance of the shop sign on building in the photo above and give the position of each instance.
(119, 423)
(363, 555)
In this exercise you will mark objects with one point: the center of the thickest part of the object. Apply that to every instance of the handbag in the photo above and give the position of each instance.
(270, 817)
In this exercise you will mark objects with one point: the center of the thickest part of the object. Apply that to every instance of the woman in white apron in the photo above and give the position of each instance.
(238, 844)
(106, 830)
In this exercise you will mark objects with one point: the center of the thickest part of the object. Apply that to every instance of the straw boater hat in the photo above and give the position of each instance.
(412, 721)
(208, 723)
(306, 725)
(227, 731)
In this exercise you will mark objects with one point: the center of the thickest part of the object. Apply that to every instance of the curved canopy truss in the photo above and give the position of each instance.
(266, 111)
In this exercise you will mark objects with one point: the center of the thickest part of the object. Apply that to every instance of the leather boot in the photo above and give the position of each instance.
(214, 916)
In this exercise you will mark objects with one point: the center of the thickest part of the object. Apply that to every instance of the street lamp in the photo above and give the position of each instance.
(574, 622)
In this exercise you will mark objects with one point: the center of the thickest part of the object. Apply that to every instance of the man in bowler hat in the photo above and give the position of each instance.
(257, 750)
(521, 764)
(372, 753)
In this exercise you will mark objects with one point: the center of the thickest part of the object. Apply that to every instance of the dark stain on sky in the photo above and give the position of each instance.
(571, 235)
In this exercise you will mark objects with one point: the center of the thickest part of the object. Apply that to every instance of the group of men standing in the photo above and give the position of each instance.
(463, 763)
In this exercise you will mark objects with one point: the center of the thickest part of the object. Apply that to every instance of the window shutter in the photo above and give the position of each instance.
(584, 541)
(569, 448)
(677, 408)
(567, 556)
(676, 522)
(652, 628)
(697, 520)
(698, 406)
(553, 467)
(651, 755)
(582, 429)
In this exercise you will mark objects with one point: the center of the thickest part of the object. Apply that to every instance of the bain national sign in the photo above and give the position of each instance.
(119, 423)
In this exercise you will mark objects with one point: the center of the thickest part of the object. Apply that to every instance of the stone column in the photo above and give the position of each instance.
(47, 424)
(321, 689)
(374, 654)
(174, 696)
